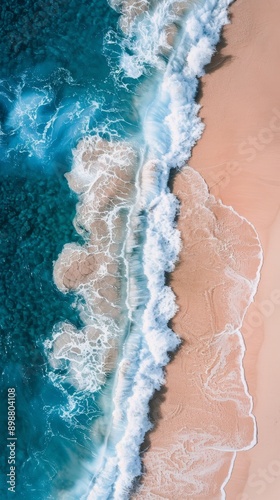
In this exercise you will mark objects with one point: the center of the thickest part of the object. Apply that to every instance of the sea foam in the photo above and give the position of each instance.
(103, 176)
(219, 270)
(170, 128)
(172, 40)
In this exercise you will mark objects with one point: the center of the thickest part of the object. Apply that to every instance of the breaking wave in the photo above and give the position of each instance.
(126, 216)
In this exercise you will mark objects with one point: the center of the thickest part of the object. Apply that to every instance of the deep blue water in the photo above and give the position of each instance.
(61, 79)
(56, 84)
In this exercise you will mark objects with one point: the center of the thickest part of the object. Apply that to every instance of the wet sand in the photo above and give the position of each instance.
(103, 177)
(206, 415)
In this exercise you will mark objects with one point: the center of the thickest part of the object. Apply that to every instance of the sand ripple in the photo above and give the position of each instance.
(193, 448)
(103, 175)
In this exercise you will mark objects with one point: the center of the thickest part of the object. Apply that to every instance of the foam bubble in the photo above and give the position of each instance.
(87, 355)
(151, 30)
(171, 127)
(219, 270)
(103, 175)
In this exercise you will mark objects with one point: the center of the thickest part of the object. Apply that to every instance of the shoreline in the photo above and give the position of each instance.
(218, 157)
(205, 383)
(243, 95)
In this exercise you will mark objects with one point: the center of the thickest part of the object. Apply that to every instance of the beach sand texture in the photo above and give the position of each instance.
(205, 413)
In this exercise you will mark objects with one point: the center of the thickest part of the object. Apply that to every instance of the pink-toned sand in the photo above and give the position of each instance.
(206, 412)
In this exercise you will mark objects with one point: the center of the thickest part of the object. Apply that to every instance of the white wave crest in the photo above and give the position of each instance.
(170, 128)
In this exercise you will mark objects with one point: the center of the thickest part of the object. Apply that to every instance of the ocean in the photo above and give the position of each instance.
(98, 106)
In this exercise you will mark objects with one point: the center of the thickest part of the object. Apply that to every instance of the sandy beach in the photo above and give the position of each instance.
(203, 442)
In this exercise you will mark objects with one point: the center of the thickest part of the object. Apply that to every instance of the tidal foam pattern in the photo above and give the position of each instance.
(172, 41)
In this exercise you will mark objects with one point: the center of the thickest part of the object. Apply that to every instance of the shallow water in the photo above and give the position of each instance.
(96, 108)
(52, 90)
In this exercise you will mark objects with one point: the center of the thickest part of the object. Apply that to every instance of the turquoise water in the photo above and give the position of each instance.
(55, 85)
(68, 73)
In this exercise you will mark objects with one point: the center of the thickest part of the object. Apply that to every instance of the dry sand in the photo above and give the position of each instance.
(206, 400)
